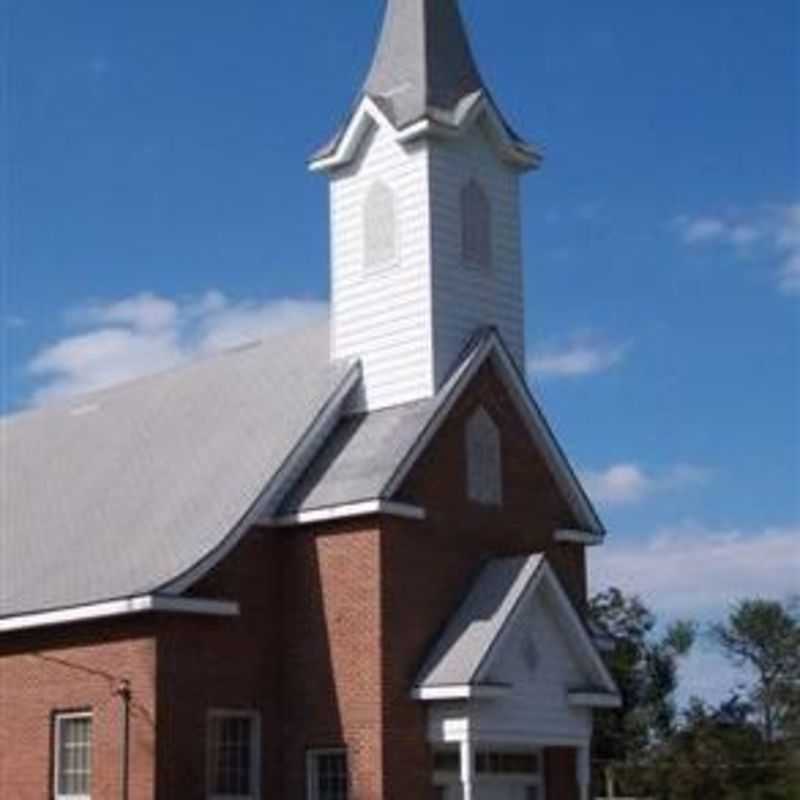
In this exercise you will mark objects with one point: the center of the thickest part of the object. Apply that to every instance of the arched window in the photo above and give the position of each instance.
(484, 462)
(476, 227)
(380, 229)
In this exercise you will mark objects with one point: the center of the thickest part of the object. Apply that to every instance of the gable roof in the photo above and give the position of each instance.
(141, 489)
(122, 492)
(369, 455)
(463, 654)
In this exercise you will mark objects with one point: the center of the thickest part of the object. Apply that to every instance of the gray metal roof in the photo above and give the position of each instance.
(423, 64)
(361, 457)
(459, 653)
(120, 492)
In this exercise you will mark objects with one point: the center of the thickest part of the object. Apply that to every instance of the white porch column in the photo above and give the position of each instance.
(583, 766)
(467, 770)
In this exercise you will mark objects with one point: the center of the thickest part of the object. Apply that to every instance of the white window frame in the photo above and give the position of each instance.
(312, 787)
(255, 745)
(58, 718)
(484, 455)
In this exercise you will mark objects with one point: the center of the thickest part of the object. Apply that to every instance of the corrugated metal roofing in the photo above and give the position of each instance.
(119, 492)
(361, 457)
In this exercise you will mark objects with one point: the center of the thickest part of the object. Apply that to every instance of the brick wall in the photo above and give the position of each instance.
(335, 622)
(70, 669)
(427, 566)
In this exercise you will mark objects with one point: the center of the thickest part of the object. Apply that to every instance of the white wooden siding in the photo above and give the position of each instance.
(464, 299)
(383, 316)
(536, 660)
(409, 321)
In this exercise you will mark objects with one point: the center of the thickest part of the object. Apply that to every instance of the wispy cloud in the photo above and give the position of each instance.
(628, 484)
(582, 354)
(147, 333)
(694, 569)
(772, 232)
(698, 572)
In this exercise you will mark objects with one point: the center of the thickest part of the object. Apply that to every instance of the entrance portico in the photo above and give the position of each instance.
(513, 679)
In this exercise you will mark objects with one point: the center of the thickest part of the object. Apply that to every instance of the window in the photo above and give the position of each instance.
(515, 767)
(476, 227)
(233, 756)
(73, 756)
(484, 464)
(380, 234)
(327, 775)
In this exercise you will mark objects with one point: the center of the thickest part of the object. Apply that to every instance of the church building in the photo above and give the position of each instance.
(342, 563)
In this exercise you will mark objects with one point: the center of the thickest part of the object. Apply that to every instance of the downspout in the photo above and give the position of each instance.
(123, 691)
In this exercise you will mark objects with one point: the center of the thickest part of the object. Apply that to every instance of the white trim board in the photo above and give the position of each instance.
(565, 536)
(119, 608)
(460, 692)
(348, 511)
(441, 124)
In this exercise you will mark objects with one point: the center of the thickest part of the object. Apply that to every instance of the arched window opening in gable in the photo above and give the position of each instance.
(476, 227)
(484, 460)
(380, 228)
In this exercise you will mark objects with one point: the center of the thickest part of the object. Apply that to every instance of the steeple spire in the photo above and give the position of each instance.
(424, 70)
(423, 61)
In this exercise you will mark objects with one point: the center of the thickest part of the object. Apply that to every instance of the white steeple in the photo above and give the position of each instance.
(425, 217)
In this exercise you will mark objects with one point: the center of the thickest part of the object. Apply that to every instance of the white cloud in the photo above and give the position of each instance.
(774, 232)
(693, 569)
(627, 484)
(583, 354)
(147, 333)
(696, 572)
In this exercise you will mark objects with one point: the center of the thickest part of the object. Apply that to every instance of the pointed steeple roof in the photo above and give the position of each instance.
(423, 60)
(423, 67)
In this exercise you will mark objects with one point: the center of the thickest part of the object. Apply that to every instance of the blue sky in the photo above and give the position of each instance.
(155, 204)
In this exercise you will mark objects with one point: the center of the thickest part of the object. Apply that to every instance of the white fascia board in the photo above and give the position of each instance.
(594, 699)
(348, 511)
(119, 608)
(366, 115)
(275, 491)
(588, 538)
(460, 692)
(460, 121)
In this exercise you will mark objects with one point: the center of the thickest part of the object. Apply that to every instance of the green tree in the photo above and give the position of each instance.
(646, 667)
(764, 636)
(719, 753)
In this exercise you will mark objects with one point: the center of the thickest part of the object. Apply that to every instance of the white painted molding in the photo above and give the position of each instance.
(594, 699)
(460, 692)
(579, 537)
(348, 511)
(120, 608)
(443, 124)
(366, 115)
